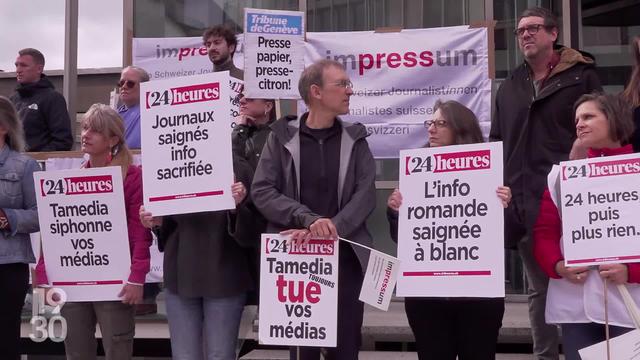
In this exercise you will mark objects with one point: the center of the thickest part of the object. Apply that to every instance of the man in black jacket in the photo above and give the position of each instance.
(43, 111)
(534, 119)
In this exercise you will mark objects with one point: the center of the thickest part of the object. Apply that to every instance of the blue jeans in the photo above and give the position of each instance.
(204, 326)
(581, 335)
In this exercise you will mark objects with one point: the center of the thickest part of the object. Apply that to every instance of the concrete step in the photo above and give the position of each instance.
(368, 355)
(393, 326)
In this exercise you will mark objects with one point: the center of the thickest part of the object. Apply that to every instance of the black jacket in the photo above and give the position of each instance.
(203, 252)
(537, 131)
(44, 116)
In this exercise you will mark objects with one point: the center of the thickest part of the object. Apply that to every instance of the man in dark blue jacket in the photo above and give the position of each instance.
(43, 110)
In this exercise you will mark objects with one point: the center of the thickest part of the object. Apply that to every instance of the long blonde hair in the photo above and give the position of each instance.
(632, 91)
(10, 121)
(106, 121)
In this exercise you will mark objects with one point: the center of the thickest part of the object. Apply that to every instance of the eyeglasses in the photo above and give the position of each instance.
(439, 123)
(346, 84)
(129, 84)
(531, 29)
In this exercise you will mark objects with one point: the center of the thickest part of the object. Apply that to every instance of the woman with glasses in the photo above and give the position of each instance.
(103, 140)
(18, 218)
(450, 328)
(252, 127)
(248, 138)
(574, 296)
(129, 88)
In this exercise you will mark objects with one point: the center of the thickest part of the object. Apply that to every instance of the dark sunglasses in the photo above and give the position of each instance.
(129, 84)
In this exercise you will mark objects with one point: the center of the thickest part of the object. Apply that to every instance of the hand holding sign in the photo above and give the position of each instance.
(576, 275)
(324, 228)
(131, 294)
(147, 219)
(239, 192)
(616, 273)
(395, 200)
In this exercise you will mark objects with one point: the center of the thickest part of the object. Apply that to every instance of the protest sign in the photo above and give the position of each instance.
(274, 53)
(600, 206)
(155, 273)
(187, 148)
(165, 58)
(623, 347)
(298, 292)
(450, 238)
(398, 76)
(84, 231)
(379, 280)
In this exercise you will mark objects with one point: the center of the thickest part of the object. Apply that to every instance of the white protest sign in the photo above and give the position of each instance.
(450, 238)
(156, 270)
(274, 53)
(623, 347)
(600, 206)
(165, 58)
(379, 280)
(187, 147)
(397, 78)
(298, 292)
(84, 231)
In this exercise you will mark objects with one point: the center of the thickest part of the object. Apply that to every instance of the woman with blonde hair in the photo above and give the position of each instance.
(632, 93)
(18, 218)
(103, 140)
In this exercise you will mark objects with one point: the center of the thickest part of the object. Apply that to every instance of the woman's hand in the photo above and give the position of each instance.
(148, 220)
(616, 273)
(504, 194)
(131, 294)
(395, 200)
(576, 275)
(239, 192)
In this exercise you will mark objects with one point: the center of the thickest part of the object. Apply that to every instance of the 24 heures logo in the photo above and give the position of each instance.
(77, 185)
(458, 161)
(183, 95)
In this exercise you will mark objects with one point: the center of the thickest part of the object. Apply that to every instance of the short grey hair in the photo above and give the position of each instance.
(144, 75)
(312, 75)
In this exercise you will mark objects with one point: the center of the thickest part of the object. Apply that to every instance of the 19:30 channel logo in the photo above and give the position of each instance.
(41, 327)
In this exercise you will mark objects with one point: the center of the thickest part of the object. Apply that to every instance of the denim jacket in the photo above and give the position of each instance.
(18, 201)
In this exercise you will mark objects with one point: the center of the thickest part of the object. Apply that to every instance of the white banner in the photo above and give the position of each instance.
(450, 238)
(165, 58)
(187, 147)
(274, 53)
(600, 206)
(298, 292)
(398, 77)
(84, 232)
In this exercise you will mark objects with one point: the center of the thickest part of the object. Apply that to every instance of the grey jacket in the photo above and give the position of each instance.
(275, 188)
(18, 201)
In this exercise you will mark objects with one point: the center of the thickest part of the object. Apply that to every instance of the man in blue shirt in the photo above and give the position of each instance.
(129, 87)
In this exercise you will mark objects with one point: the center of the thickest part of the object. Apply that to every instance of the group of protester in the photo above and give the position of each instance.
(314, 176)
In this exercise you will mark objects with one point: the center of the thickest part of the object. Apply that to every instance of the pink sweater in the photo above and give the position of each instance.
(139, 236)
